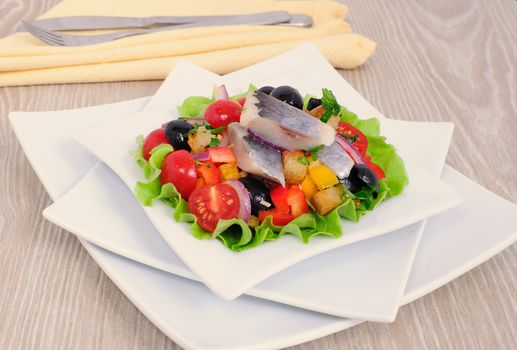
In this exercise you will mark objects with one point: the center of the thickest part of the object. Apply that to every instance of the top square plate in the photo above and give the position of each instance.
(229, 274)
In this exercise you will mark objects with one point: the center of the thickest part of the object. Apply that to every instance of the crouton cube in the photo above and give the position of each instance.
(326, 200)
(294, 170)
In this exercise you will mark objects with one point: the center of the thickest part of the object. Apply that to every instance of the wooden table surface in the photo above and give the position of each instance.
(436, 61)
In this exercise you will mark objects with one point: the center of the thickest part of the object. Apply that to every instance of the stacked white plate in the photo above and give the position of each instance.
(282, 293)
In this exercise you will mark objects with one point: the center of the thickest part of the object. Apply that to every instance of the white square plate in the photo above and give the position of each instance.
(227, 273)
(194, 318)
(311, 284)
(121, 226)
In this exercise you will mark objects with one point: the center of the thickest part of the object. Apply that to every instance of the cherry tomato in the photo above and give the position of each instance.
(351, 132)
(155, 138)
(211, 203)
(179, 169)
(223, 112)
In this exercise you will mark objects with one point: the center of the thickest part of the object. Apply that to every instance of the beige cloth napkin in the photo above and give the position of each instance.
(25, 60)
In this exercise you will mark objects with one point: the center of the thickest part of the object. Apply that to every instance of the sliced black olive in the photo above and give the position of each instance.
(313, 103)
(288, 95)
(266, 89)
(259, 194)
(360, 176)
(176, 131)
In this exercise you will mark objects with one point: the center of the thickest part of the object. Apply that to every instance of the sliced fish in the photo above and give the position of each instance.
(336, 158)
(282, 124)
(255, 157)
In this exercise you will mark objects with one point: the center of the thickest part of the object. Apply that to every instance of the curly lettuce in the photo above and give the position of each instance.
(235, 234)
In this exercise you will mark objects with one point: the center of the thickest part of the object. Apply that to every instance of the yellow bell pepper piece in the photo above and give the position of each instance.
(322, 176)
(229, 171)
(308, 187)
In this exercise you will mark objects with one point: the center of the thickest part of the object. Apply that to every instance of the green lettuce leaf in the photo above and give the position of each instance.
(251, 87)
(381, 153)
(194, 106)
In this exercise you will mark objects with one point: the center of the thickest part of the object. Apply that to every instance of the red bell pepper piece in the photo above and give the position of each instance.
(221, 155)
(279, 219)
(296, 201)
(279, 197)
(209, 172)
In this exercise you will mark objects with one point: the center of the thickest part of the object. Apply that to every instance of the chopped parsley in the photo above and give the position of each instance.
(214, 142)
(314, 151)
(199, 163)
(349, 138)
(208, 128)
(303, 160)
(328, 101)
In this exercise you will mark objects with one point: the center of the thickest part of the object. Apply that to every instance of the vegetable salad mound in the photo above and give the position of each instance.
(251, 168)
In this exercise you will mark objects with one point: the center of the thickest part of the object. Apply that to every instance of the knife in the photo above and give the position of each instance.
(113, 22)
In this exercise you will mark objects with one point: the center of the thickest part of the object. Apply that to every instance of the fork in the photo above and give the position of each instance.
(117, 22)
(58, 39)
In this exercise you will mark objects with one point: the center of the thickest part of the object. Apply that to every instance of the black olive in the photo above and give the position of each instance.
(313, 103)
(259, 194)
(176, 131)
(266, 89)
(360, 176)
(288, 95)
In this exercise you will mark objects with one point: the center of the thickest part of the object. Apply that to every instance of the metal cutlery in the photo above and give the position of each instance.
(113, 22)
(45, 29)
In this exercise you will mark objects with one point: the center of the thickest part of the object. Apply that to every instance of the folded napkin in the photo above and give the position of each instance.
(25, 60)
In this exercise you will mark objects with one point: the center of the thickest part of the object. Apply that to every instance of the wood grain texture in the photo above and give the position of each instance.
(436, 61)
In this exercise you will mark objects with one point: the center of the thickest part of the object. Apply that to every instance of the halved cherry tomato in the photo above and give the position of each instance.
(350, 132)
(279, 198)
(375, 168)
(209, 172)
(296, 200)
(279, 219)
(155, 138)
(221, 155)
(179, 169)
(223, 112)
(211, 203)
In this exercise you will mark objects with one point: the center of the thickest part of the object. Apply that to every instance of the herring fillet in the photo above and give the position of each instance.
(255, 157)
(336, 158)
(283, 124)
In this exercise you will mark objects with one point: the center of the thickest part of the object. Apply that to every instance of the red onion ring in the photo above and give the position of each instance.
(352, 152)
(244, 199)
(202, 157)
(220, 93)
(264, 141)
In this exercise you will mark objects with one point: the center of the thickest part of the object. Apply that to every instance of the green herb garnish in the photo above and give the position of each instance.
(328, 101)
(314, 151)
(351, 139)
(208, 128)
(303, 160)
(214, 142)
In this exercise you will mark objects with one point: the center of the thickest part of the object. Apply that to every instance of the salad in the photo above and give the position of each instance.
(253, 167)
